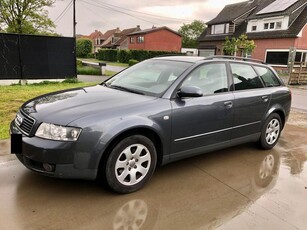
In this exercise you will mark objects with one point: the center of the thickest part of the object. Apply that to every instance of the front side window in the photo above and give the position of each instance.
(131, 40)
(211, 78)
(267, 76)
(244, 77)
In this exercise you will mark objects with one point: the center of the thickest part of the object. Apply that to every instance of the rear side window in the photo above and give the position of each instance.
(245, 77)
(267, 76)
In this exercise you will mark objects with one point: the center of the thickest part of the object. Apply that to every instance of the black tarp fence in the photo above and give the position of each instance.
(36, 57)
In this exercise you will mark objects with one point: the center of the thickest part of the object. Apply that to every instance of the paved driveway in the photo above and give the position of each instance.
(237, 188)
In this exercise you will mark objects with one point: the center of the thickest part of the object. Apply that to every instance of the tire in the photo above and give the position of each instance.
(130, 164)
(270, 132)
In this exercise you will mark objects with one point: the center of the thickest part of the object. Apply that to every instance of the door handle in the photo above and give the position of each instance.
(228, 104)
(265, 98)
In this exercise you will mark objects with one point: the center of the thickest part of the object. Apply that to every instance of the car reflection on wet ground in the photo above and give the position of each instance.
(236, 188)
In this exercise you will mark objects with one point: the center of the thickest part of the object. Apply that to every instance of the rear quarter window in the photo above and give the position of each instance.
(268, 77)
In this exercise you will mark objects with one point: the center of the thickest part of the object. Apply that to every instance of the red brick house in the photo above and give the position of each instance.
(123, 41)
(278, 27)
(156, 38)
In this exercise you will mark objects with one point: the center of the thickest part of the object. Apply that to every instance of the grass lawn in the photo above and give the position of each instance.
(12, 97)
(87, 70)
(109, 63)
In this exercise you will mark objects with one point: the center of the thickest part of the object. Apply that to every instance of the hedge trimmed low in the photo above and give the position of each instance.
(123, 56)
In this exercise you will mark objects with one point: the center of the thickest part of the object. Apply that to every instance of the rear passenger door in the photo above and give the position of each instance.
(251, 100)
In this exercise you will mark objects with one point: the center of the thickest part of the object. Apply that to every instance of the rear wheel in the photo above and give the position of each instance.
(130, 164)
(270, 132)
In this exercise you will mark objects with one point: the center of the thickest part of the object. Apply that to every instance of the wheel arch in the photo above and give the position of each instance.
(280, 111)
(144, 131)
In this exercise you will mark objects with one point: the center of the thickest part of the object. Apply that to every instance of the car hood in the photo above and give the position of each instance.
(66, 106)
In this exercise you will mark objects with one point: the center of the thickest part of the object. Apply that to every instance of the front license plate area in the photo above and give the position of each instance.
(16, 143)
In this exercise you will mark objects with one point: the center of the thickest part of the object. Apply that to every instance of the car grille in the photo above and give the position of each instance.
(25, 124)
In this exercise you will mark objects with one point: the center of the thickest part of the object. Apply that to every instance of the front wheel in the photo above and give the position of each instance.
(270, 131)
(130, 164)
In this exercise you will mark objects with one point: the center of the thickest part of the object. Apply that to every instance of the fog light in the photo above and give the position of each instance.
(49, 167)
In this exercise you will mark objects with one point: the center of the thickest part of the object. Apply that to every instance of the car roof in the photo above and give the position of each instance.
(195, 59)
(181, 58)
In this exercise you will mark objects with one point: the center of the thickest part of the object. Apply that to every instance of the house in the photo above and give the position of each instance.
(278, 28)
(97, 39)
(156, 38)
(110, 38)
(123, 42)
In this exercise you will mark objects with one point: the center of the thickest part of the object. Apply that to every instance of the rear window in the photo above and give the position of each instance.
(268, 77)
(245, 77)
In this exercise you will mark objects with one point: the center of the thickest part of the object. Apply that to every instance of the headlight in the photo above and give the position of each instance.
(56, 132)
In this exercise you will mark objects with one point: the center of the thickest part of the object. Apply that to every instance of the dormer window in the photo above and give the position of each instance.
(268, 24)
(272, 26)
(220, 29)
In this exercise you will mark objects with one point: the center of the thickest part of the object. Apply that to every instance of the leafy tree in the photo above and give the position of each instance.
(84, 47)
(191, 32)
(26, 16)
(241, 44)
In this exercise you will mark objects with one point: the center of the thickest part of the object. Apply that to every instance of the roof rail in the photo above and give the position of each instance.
(233, 58)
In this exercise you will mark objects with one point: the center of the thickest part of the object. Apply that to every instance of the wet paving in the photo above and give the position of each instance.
(236, 188)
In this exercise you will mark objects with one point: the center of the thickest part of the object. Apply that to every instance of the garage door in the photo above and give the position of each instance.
(206, 52)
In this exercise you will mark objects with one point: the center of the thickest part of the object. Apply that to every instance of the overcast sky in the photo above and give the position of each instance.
(107, 14)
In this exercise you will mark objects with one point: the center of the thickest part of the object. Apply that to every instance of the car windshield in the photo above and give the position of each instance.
(151, 77)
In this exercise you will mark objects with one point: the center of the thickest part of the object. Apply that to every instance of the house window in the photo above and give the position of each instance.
(278, 25)
(227, 28)
(254, 28)
(277, 57)
(131, 40)
(140, 39)
(272, 25)
(220, 29)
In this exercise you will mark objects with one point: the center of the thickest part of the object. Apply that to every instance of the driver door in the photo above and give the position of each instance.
(203, 123)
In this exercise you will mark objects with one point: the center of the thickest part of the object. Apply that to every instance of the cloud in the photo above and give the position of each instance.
(101, 15)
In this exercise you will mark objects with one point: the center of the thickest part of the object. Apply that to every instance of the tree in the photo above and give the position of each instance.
(191, 32)
(84, 47)
(242, 44)
(26, 16)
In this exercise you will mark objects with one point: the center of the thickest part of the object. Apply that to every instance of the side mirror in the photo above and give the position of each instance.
(190, 91)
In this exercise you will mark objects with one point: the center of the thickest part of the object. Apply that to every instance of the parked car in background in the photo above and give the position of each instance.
(153, 113)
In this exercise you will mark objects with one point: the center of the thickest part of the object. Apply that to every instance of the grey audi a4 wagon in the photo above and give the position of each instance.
(153, 113)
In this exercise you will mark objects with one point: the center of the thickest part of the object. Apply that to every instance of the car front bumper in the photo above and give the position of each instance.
(54, 158)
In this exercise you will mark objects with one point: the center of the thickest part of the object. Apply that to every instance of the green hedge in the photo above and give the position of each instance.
(133, 62)
(107, 55)
(123, 56)
(83, 47)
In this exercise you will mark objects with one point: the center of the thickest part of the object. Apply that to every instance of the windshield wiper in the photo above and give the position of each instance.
(124, 89)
